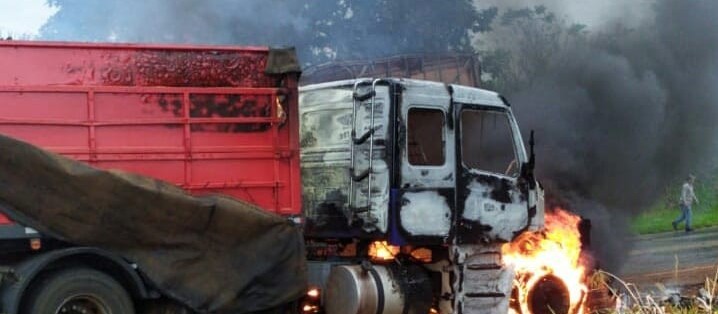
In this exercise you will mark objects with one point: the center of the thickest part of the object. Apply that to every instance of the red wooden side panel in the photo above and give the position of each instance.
(205, 118)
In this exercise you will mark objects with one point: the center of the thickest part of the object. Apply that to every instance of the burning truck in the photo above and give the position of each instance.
(384, 195)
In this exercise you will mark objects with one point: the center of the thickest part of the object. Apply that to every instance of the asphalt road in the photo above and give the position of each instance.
(673, 258)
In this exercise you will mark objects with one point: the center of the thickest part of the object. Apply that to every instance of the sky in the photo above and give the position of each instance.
(23, 17)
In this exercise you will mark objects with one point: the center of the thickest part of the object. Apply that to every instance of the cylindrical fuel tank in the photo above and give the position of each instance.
(353, 289)
(397, 288)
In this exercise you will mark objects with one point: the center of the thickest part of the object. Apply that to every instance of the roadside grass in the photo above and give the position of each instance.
(659, 217)
(636, 301)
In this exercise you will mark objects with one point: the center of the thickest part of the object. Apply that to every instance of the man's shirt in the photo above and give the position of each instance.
(687, 195)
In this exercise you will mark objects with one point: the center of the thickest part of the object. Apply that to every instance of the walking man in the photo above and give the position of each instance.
(686, 201)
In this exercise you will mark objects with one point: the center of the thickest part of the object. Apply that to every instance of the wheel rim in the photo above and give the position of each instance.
(83, 304)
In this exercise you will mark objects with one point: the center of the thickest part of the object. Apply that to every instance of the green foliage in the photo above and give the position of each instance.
(524, 45)
(539, 13)
(375, 28)
(659, 217)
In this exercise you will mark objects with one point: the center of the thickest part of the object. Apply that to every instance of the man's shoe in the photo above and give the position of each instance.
(689, 230)
(675, 226)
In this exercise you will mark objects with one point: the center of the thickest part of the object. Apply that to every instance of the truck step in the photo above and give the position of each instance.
(485, 284)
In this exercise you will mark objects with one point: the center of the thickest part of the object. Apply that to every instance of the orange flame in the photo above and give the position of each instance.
(555, 251)
(382, 251)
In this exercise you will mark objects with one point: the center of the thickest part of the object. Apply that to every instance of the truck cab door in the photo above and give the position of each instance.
(427, 158)
(493, 202)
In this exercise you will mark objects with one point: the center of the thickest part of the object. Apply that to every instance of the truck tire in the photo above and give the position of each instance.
(75, 291)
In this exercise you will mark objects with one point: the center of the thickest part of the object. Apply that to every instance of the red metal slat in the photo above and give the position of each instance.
(176, 157)
(225, 185)
(132, 65)
(275, 137)
(187, 138)
(181, 121)
(91, 127)
(197, 151)
(129, 46)
(141, 89)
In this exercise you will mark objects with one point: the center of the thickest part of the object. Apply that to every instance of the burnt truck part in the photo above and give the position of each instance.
(438, 172)
(368, 288)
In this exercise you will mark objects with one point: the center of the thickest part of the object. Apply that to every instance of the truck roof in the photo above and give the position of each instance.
(461, 93)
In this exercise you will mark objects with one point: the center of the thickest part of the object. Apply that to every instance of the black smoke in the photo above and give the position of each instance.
(620, 112)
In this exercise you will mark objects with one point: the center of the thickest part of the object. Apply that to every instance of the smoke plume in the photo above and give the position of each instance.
(620, 112)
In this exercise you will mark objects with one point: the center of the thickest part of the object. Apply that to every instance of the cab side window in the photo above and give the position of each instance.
(425, 137)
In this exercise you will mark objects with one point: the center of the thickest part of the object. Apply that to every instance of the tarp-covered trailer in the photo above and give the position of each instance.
(211, 120)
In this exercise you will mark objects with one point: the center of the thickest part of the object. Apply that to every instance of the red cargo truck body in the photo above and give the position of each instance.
(209, 119)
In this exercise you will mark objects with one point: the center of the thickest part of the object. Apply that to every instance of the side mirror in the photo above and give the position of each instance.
(527, 169)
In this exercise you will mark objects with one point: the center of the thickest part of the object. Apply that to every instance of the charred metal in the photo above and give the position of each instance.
(429, 189)
(405, 162)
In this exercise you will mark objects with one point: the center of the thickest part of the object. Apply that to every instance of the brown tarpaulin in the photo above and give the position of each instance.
(212, 253)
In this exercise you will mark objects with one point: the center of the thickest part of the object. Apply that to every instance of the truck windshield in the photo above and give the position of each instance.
(487, 142)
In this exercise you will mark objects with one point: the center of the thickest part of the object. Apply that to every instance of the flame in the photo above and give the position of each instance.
(554, 251)
(311, 303)
(313, 293)
(382, 251)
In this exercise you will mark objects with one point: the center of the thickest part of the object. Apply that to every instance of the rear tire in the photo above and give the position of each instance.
(78, 291)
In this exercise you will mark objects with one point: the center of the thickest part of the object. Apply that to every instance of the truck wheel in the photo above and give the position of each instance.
(78, 291)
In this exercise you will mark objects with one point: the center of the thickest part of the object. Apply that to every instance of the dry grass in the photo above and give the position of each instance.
(632, 301)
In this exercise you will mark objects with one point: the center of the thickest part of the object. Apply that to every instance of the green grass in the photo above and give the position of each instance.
(659, 217)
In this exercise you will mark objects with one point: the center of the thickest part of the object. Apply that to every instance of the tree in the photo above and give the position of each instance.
(356, 29)
(322, 30)
(255, 22)
(523, 44)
